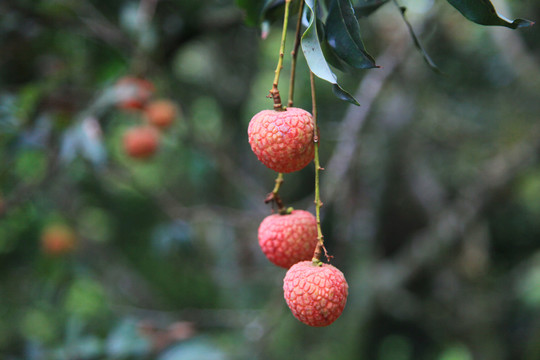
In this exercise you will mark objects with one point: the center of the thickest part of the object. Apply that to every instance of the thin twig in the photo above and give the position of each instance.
(294, 55)
(274, 197)
(319, 249)
(101, 26)
(274, 92)
(355, 117)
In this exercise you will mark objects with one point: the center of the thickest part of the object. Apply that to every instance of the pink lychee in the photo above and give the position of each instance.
(288, 239)
(315, 293)
(141, 142)
(282, 140)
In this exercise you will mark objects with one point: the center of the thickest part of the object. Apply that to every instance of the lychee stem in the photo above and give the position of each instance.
(294, 54)
(279, 181)
(274, 196)
(319, 249)
(274, 92)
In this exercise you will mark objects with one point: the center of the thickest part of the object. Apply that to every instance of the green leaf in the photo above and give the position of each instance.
(343, 35)
(313, 53)
(343, 95)
(274, 10)
(416, 41)
(483, 12)
(252, 9)
(331, 57)
(367, 7)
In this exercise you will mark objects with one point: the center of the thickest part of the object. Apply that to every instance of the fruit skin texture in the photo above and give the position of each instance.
(161, 113)
(288, 239)
(133, 92)
(315, 294)
(141, 142)
(282, 140)
(57, 240)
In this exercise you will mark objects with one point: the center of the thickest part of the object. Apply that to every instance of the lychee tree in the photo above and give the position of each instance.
(286, 139)
(426, 231)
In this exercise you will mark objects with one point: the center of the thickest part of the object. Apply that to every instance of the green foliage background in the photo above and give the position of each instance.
(430, 192)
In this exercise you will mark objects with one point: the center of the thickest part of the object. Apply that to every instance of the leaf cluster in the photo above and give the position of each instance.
(332, 35)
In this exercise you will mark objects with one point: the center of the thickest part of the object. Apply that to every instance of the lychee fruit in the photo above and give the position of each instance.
(58, 239)
(282, 140)
(288, 239)
(315, 293)
(141, 142)
(133, 93)
(161, 113)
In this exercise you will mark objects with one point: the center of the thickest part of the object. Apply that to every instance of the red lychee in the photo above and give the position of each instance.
(141, 142)
(288, 239)
(282, 140)
(58, 240)
(315, 293)
(132, 93)
(161, 113)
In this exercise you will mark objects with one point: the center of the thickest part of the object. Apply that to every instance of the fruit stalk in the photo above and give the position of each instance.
(274, 195)
(320, 239)
(279, 181)
(294, 54)
(275, 92)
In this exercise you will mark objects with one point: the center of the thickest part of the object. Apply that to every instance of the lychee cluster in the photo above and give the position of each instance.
(315, 292)
(134, 94)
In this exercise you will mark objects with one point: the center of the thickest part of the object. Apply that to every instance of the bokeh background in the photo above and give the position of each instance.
(431, 188)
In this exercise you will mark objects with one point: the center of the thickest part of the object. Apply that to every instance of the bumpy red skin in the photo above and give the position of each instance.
(288, 239)
(315, 294)
(282, 140)
(141, 142)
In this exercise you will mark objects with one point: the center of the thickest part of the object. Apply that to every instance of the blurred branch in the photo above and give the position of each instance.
(211, 23)
(239, 178)
(24, 192)
(514, 51)
(425, 187)
(209, 318)
(118, 275)
(98, 25)
(449, 226)
(147, 9)
(355, 117)
(40, 18)
(173, 208)
(101, 26)
(161, 337)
